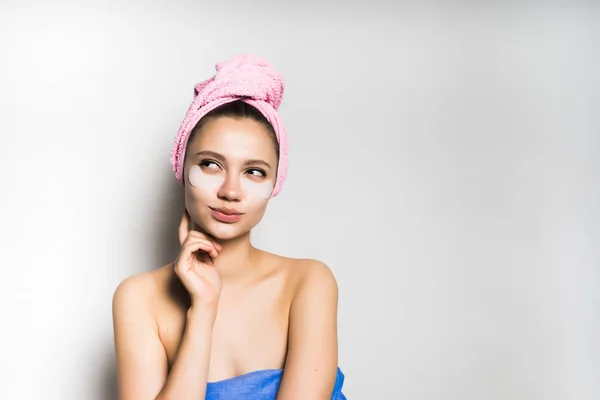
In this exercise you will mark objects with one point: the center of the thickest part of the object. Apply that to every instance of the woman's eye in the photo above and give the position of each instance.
(257, 172)
(208, 164)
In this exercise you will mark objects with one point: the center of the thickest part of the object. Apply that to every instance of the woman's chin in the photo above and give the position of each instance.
(224, 231)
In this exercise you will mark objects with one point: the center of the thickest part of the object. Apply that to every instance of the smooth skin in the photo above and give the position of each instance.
(224, 308)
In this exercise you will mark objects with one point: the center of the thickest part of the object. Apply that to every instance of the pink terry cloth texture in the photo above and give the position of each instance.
(245, 77)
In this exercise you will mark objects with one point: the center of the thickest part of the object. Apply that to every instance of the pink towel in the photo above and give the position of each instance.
(245, 77)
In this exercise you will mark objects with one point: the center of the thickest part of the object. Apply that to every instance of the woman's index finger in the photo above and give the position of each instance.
(184, 226)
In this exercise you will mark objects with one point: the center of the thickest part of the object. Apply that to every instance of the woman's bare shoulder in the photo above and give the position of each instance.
(303, 272)
(312, 271)
(146, 287)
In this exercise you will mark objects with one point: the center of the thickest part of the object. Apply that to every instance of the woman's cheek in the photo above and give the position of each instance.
(201, 189)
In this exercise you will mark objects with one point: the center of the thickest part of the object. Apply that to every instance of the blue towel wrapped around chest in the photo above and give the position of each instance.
(259, 385)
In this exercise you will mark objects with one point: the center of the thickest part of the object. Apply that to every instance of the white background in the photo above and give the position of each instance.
(443, 162)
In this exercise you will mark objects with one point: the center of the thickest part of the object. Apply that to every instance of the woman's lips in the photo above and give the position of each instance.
(226, 215)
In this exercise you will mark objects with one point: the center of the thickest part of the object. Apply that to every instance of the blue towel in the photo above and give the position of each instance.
(259, 385)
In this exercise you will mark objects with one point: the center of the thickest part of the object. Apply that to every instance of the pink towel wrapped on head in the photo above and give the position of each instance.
(245, 77)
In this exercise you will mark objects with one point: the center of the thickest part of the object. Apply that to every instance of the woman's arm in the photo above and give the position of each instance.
(141, 358)
(189, 373)
(311, 363)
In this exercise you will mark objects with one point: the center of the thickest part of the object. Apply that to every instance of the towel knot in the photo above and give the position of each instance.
(243, 76)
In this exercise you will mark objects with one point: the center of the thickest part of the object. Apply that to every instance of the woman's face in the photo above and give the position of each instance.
(229, 173)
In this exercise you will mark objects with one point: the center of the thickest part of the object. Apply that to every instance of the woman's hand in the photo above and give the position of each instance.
(194, 265)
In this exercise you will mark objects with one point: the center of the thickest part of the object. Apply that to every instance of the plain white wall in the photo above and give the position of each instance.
(443, 162)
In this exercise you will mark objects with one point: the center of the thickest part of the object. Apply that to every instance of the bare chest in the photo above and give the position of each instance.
(249, 333)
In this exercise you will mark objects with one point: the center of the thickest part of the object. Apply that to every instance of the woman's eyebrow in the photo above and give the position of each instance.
(210, 154)
(257, 162)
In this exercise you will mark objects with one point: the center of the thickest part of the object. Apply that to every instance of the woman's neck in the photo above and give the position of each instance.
(237, 258)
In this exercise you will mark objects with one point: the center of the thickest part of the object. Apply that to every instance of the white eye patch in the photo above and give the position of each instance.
(262, 190)
(202, 180)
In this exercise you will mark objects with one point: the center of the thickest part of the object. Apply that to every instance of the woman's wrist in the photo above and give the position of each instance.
(202, 313)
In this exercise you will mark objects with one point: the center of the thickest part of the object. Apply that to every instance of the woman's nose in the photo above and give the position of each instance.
(230, 190)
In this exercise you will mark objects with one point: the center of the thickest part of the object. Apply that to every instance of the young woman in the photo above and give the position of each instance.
(226, 320)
